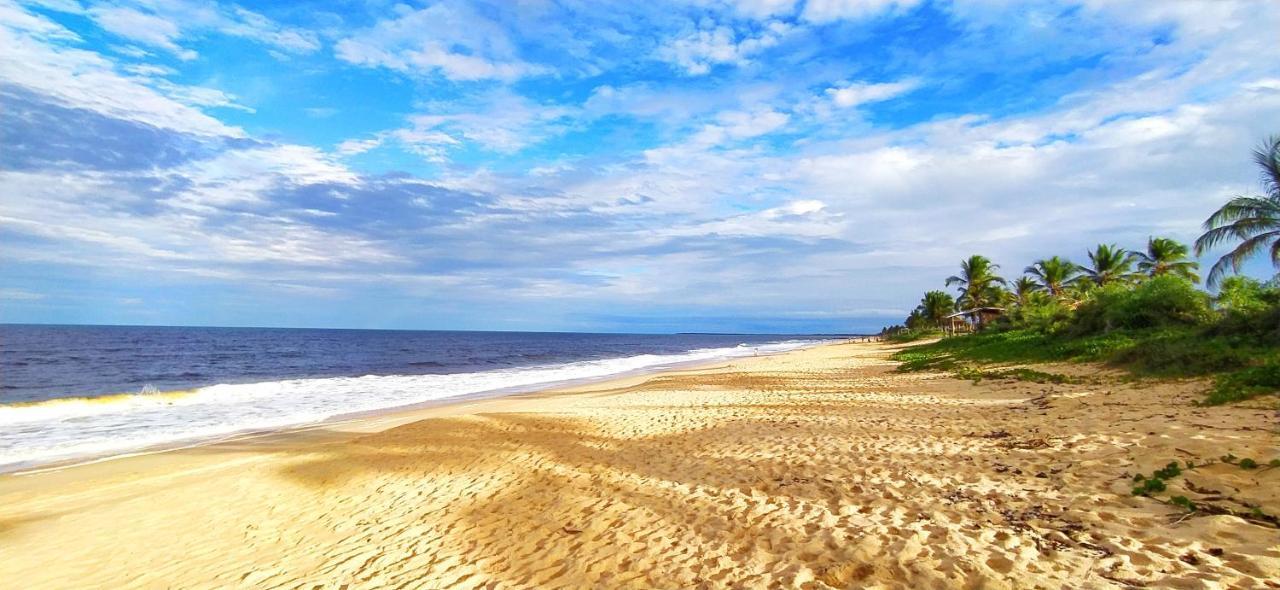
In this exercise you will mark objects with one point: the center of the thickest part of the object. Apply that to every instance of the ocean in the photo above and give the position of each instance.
(78, 392)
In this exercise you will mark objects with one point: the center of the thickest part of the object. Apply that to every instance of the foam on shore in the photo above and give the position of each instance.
(69, 428)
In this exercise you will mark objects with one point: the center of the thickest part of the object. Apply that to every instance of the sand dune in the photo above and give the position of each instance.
(821, 468)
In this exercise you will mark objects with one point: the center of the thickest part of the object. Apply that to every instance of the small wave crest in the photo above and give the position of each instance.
(66, 428)
(71, 407)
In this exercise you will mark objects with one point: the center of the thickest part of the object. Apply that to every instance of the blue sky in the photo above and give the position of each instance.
(700, 165)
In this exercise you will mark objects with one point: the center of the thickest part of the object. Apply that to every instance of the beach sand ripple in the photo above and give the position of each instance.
(822, 468)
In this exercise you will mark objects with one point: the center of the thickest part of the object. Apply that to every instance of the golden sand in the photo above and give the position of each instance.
(820, 468)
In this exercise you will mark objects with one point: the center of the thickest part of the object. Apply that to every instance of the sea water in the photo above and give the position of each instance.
(72, 392)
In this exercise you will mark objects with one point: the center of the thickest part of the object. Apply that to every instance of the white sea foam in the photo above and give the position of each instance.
(56, 430)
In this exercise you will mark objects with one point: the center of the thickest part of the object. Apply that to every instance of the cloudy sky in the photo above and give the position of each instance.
(708, 165)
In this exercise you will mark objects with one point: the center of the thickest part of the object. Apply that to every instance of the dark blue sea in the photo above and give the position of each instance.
(68, 392)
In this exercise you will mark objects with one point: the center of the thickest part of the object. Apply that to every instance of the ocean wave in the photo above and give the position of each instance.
(68, 428)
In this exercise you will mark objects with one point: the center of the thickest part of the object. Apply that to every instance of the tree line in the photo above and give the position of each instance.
(1056, 286)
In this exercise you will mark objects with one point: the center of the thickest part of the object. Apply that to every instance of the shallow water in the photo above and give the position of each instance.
(80, 391)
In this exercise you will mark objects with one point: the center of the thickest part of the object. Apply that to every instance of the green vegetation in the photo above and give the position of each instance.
(1156, 483)
(1246, 383)
(1111, 265)
(1018, 374)
(1184, 502)
(1140, 311)
(978, 282)
(1165, 256)
(1253, 220)
(1159, 479)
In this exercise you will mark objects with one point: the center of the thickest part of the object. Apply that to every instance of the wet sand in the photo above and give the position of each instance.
(820, 468)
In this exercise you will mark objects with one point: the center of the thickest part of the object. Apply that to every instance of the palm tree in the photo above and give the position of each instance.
(979, 285)
(1110, 265)
(1024, 289)
(1167, 257)
(1255, 221)
(1053, 275)
(935, 306)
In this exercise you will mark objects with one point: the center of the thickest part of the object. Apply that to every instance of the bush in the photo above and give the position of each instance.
(1246, 296)
(1045, 316)
(1247, 383)
(1249, 309)
(913, 335)
(1181, 352)
(1163, 326)
(1161, 301)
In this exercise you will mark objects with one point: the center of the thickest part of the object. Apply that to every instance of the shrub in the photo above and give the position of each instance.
(1245, 295)
(1181, 352)
(1094, 315)
(1249, 310)
(1149, 486)
(1246, 383)
(1046, 317)
(1170, 471)
(1159, 302)
(912, 335)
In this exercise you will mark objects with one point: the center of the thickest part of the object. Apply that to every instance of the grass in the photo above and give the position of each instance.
(1242, 369)
(912, 335)
(1019, 374)
(1245, 384)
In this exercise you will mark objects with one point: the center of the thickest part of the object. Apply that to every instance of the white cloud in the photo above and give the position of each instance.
(852, 217)
(199, 96)
(246, 176)
(824, 11)
(140, 27)
(163, 24)
(499, 122)
(38, 61)
(859, 93)
(149, 70)
(448, 38)
(19, 295)
(738, 125)
(763, 8)
(239, 22)
(17, 20)
(697, 51)
(352, 147)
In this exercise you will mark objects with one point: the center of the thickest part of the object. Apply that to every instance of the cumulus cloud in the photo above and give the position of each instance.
(707, 46)
(738, 125)
(499, 122)
(660, 187)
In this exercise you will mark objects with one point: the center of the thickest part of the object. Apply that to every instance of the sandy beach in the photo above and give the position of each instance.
(820, 468)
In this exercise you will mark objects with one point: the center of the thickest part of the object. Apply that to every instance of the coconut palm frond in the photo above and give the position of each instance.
(1268, 159)
(1243, 207)
(1254, 221)
(1236, 258)
(1166, 256)
(1053, 274)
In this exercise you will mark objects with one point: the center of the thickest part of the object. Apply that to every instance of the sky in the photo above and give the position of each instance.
(696, 165)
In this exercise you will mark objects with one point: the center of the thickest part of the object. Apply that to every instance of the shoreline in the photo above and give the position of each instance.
(368, 422)
(818, 468)
(35, 468)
